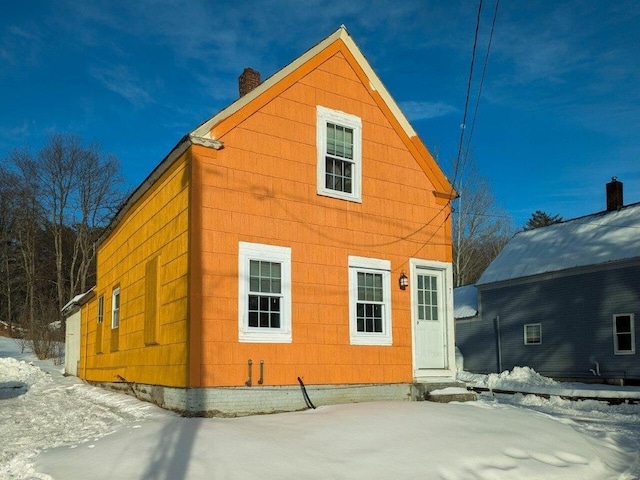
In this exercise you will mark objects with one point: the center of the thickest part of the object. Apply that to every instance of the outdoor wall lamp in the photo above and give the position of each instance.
(403, 281)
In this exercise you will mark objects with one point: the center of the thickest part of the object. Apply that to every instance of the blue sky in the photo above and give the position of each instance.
(558, 117)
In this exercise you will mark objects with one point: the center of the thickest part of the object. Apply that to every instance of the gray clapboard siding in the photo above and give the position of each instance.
(575, 309)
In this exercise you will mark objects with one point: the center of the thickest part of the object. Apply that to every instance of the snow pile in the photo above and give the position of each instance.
(515, 379)
(527, 380)
(16, 372)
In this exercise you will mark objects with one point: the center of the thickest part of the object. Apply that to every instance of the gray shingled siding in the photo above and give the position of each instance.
(576, 314)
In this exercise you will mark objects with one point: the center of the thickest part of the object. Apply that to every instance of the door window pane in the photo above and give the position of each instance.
(427, 292)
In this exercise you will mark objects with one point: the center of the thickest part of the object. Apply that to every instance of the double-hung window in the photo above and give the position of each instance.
(115, 308)
(533, 334)
(624, 338)
(339, 144)
(99, 325)
(369, 301)
(264, 302)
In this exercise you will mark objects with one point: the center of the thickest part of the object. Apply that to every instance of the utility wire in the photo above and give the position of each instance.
(484, 71)
(466, 102)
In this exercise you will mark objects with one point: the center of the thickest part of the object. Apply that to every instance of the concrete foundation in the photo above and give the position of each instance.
(241, 401)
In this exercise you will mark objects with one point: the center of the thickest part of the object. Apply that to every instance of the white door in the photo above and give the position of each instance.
(72, 344)
(429, 318)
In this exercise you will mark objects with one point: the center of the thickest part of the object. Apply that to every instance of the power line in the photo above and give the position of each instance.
(463, 152)
(484, 71)
(467, 97)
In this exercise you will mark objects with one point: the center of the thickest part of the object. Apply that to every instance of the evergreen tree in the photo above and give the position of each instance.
(541, 219)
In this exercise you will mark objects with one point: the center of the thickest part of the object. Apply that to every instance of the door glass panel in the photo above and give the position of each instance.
(427, 297)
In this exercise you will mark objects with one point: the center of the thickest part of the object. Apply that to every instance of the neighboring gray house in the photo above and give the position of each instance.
(465, 302)
(562, 299)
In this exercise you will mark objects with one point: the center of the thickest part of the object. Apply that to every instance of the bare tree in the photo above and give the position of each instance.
(81, 187)
(27, 227)
(97, 196)
(58, 164)
(53, 207)
(480, 228)
(9, 259)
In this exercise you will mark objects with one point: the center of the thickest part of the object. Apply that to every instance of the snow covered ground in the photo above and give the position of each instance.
(55, 427)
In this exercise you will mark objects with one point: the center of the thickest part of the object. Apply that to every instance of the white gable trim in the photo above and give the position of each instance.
(203, 131)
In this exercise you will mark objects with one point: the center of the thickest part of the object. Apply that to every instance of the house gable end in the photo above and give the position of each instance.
(340, 43)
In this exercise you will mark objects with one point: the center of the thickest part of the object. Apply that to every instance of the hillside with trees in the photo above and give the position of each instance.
(54, 204)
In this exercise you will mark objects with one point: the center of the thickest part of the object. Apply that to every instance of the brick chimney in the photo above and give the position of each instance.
(614, 195)
(248, 80)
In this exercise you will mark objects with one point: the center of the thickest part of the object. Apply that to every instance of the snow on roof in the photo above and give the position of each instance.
(78, 300)
(465, 302)
(592, 240)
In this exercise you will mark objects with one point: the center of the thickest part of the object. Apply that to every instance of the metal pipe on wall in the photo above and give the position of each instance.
(249, 365)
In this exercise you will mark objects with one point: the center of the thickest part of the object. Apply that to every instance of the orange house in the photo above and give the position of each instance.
(302, 232)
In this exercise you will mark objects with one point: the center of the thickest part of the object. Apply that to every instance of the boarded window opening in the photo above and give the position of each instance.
(151, 302)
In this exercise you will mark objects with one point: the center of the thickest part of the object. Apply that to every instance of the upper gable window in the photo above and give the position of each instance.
(339, 138)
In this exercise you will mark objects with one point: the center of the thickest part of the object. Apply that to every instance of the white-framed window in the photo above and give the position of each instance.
(99, 325)
(533, 334)
(369, 301)
(264, 293)
(624, 335)
(339, 144)
(115, 308)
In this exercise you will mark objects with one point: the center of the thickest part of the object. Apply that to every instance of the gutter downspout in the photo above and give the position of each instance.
(496, 322)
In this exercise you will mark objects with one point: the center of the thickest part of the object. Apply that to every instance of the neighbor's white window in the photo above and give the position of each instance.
(624, 338)
(264, 300)
(339, 166)
(369, 301)
(533, 334)
(115, 308)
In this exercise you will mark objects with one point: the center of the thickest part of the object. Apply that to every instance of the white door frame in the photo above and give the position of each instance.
(449, 371)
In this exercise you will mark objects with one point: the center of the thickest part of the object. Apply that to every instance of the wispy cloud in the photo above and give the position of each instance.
(16, 131)
(426, 110)
(19, 46)
(121, 81)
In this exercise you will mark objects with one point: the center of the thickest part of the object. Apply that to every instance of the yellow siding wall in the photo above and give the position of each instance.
(261, 187)
(155, 228)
